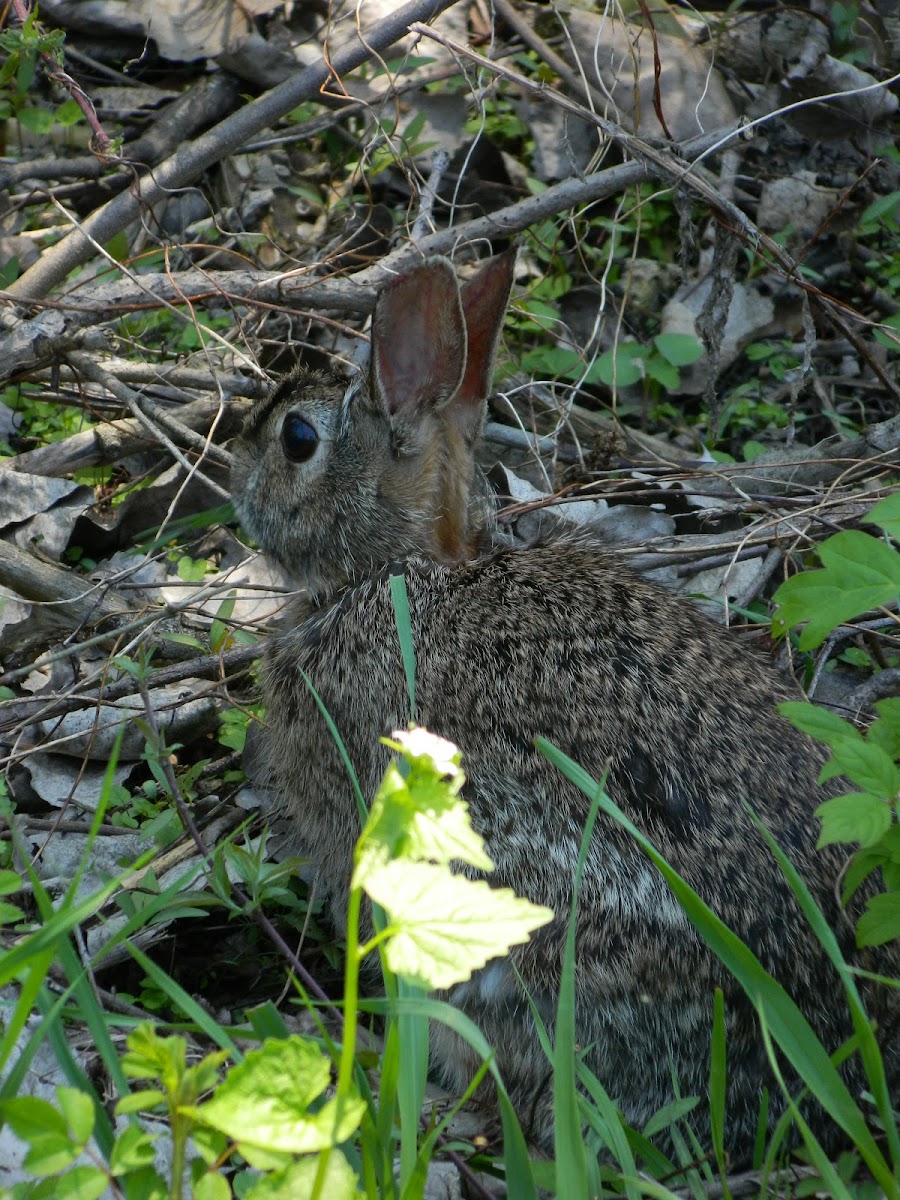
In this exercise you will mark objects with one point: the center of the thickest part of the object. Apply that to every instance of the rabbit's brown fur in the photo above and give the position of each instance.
(558, 640)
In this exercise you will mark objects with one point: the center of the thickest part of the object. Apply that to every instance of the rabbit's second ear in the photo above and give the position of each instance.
(418, 340)
(484, 301)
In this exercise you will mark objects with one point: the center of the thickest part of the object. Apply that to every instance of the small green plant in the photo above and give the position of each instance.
(42, 421)
(270, 1107)
(656, 365)
(859, 572)
(24, 46)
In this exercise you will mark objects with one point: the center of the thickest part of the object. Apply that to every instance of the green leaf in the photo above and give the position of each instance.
(81, 1183)
(10, 913)
(141, 1101)
(211, 1144)
(183, 639)
(338, 1181)
(68, 113)
(889, 334)
(420, 817)
(870, 767)
(211, 1185)
(51, 1152)
(680, 349)
(132, 1149)
(191, 570)
(885, 730)
(78, 1110)
(150, 1056)
(860, 572)
(35, 120)
(220, 636)
(820, 723)
(29, 1117)
(856, 817)
(117, 247)
(264, 1100)
(886, 514)
(555, 362)
(10, 882)
(621, 366)
(443, 927)
(670, 1114)
(664, 373)
(885, 206)
(880, 923)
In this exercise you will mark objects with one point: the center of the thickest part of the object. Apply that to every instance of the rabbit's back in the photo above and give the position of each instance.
(558, 641)
(561, 641)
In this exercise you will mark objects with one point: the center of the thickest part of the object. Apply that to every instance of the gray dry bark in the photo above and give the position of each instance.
(190, 161)
(40, 339)
(67, 600)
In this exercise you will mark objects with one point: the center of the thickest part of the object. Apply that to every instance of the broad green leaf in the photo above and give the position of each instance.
(51, 1152)
(554, 362)
(264, 1100)
(680, 349)
(78, 1110)
(150, 1056)
(133, 1148)
(820, 723)
(885, 730)
(885, 206)
(664, 373)
(859, 572)
(10, 883)
(10, 913)
(30, 1117)
(35, 120)
(870, 767)
(888, 333)
(420, 816)
(191, 570)
(445, 926)
(68, 113)
(886, 515)
(210, 1185)
(880, 923)
(856, 817)
(81, 1183)
(211, 1145)
(292, 1182)
(140, 1101)
(622, 365)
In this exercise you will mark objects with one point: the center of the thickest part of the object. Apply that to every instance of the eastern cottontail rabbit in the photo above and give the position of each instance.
(346, 484)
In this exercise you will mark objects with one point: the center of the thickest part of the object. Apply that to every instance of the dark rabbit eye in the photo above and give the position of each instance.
(298, 438)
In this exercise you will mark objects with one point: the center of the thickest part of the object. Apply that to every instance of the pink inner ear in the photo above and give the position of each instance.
(484, 300)
(418, 339)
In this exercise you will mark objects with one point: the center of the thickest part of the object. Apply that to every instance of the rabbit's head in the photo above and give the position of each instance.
(337, 479)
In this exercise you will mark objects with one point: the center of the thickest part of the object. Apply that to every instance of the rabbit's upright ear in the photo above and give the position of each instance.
(484, 301)
(418, 340)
